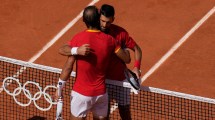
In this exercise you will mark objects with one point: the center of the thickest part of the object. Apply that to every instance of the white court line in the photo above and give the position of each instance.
(52, 41)
(177, 45)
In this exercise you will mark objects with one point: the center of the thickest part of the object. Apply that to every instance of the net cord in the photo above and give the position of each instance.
(114, 82)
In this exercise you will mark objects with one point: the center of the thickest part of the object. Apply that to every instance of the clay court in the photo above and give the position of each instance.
(177, 37)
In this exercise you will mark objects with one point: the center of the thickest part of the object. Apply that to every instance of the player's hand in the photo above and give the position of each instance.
(137, 72)
(84, 50)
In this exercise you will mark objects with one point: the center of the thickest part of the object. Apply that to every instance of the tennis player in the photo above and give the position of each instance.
(89, 91)
(117, 66)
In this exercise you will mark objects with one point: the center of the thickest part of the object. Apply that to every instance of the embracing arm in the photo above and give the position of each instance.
(67, 50)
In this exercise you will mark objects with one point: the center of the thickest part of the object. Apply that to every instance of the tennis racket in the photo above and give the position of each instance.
(132, 79)
(59, 103)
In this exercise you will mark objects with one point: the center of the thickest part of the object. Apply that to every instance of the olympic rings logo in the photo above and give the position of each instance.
(28, 94)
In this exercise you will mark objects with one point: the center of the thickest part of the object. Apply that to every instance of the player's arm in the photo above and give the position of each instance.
(67, 68)
(123, 54)
(67, 50)
(65, 74)
(137, 62)
(131, 44)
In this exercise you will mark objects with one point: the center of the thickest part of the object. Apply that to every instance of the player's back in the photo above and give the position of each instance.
(91, 69)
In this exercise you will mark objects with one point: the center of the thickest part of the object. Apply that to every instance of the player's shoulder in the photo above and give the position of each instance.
(80, 34)
(108, 37)
(105, 35)
(118, 28)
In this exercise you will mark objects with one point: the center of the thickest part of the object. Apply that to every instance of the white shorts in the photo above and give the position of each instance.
(120, 94)
(81, 105)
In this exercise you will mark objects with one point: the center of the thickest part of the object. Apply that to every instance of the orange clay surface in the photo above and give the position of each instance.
(26, 26)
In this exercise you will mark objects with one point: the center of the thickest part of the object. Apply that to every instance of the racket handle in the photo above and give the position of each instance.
(59, 109)
(59, 90)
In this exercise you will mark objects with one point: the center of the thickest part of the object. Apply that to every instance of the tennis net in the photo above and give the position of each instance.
(27, 94)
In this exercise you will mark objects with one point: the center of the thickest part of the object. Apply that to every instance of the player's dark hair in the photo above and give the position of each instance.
(91, 16)
(107, 10)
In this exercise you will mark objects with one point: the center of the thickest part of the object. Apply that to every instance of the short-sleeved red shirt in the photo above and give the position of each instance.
(117, 66)
(91, 69)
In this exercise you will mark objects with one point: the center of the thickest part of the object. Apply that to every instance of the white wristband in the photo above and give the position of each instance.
(74, 51)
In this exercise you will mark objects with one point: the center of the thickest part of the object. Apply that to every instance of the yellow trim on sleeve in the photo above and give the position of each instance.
(117, 49)
(93, 30)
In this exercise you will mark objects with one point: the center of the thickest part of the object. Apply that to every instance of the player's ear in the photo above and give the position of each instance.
(113, 19)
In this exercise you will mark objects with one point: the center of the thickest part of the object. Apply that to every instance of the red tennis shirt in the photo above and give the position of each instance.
(91, 69)
(117, 66)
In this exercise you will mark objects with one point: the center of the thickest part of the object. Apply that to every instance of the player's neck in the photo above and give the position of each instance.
(93, 29)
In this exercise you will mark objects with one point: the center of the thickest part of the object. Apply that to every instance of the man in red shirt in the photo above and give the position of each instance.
(117, 66)
(89, 91)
